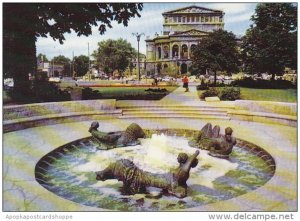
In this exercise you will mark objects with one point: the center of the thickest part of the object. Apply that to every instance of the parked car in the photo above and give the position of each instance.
(167, 79)
(54, 79)
(8, 83)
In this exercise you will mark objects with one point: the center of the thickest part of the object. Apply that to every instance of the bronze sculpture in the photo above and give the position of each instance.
(111, 140)
(209, 138)
(136, 180)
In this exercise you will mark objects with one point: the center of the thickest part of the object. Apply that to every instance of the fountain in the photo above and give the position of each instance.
(116, 139)
(69, 171)
(210, 139)
(136, 180)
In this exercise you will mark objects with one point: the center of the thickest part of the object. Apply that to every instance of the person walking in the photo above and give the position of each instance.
(185, 81)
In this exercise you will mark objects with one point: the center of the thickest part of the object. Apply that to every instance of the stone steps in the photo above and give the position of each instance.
(175, 116)
(175, 108)
(174, 112)
(186, 112)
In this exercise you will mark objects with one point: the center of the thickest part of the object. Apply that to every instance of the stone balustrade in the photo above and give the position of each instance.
(17, 117)
(282, 113)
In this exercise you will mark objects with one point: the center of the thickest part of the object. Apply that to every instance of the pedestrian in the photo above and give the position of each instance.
(185, 81)
(155, 81)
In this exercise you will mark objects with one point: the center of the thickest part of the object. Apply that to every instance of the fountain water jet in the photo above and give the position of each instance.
(242, 172)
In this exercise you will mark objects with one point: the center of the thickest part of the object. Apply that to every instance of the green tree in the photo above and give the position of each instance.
(42, 57)
(270, 44)
(131, 66)
(60, 59)
(23, 23)
(81, 64)
(63, 61)
(114, 55)
(216, 52)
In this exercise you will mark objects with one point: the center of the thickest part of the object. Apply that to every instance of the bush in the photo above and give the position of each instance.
(90, 94)
(227, 93)
(211, 92)
(205, 86)
(49, 92)
(157, 90)
(263, 84)
(230, 94)
(202, 86)
(40, 91)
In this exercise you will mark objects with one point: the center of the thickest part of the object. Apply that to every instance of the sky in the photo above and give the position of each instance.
(237, 20)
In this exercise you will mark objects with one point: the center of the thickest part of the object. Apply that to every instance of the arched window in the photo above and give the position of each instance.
(184, 51)
(175, 50)
(159, 52)
(166, 51)
(193, 46)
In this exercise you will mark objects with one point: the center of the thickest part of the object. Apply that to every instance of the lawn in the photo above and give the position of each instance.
(280, 95)
(133, 93)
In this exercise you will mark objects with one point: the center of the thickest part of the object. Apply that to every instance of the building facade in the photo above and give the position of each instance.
(183, 28)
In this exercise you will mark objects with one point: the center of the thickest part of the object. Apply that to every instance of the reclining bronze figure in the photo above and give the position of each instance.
(136, 180)
(209, 138)
(111, 140)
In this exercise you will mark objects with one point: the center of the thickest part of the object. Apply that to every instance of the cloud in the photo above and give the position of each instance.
(231, 8)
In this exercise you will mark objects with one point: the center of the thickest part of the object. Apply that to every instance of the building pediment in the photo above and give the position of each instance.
(188, 33)
(192, 10)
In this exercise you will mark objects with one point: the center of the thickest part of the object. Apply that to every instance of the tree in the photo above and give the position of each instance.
(114, 55)
(270, 44)
(42, 57)
(82, 64)
(218, 51)
(23, 23)
(60, 59)
(63, 61)
(131, 66)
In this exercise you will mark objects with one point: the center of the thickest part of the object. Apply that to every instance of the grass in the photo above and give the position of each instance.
(280, 95)
(134, 93)
(277, 95)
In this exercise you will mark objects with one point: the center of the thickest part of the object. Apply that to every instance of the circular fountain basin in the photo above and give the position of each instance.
(69, 172)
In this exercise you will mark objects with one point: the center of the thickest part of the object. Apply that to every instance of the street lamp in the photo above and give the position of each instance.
(176, 64)
(138, 37)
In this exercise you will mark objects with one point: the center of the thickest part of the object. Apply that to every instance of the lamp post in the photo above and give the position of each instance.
(176, 65)
(53, 67)
(138, 37)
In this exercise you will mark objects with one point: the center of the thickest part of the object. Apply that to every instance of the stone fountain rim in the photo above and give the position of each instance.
(258, 151)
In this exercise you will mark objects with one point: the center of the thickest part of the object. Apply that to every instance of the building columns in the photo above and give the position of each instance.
(188, 49)
(179, 51)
